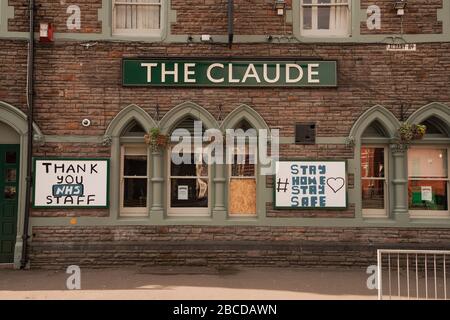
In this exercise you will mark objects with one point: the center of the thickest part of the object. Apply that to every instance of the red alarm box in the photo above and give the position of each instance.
(45, 32)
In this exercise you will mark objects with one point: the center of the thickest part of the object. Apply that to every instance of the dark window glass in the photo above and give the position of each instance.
(307, 18)
(323, 16)
(372, 162)
(246, 169)
(189, 193)
(10, 193)
(135, 166)
(372, 194)
(11, 175)
(135, 192)
(11, 157)
(188, 170)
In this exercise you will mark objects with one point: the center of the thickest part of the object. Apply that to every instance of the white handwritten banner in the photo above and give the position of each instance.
(310, 184)
(70, 183)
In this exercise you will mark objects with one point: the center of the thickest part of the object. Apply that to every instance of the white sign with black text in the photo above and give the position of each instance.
(310, 184)
(71, 183)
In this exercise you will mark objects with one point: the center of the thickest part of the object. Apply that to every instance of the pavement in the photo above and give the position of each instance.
(170, 283)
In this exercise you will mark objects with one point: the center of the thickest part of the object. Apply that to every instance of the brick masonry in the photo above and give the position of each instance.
(55, 12)
(210, 17)
(88, 83)
(420, 17)
(73, 83)
(58, 247)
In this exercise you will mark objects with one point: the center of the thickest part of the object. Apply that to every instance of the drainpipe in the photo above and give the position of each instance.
(30, 118)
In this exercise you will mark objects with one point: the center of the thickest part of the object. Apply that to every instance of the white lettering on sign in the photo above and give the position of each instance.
(149, 67)
(209, 71)
(232, 73)
(310, 184)
(299, 69)
(266, 76)
(74, 20)
(188, 72)
(251, 73)
(173, 73)
(312, 73)
(71, 183)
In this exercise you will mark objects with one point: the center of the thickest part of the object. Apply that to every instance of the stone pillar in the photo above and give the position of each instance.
(219, 211)
(157, 208)
(400, 182)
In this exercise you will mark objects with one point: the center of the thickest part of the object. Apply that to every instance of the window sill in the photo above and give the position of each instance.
(137, 38)
(324, 35)
(429, 215)
(133, 216)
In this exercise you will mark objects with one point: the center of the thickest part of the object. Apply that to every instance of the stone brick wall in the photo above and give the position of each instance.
(420, 17)
(68, 150)
(347, 213)
(55, 12)
(251, 17)
(73, 82)
(58, 247)
(13, 73)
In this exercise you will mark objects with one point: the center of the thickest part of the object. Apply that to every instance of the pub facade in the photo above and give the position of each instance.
(352, 95)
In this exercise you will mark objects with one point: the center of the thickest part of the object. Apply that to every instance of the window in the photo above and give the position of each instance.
(325, 17)
(137, 17)
(373, 181)
(134, 180)
(188, 186)
(242, 183)
(242, 175)
(428, 181)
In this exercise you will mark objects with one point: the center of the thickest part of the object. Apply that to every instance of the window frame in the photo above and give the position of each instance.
(137, 33)
(377, 213)
(132, 211)
(323, 33)
(185, 211)
(430, 214)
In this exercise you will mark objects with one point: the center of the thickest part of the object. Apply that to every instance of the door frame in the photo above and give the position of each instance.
(17, 120)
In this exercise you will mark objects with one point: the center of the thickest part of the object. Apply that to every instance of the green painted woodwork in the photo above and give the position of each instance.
(9, 187)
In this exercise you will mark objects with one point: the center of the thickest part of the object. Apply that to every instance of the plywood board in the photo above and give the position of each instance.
(242, 196)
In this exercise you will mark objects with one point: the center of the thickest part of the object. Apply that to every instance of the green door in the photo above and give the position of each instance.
(9, 186)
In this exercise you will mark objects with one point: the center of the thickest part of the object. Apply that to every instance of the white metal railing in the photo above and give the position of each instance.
(412, 274)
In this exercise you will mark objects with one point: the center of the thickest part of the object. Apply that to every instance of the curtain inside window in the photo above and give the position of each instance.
(136, 16)
(339, 16)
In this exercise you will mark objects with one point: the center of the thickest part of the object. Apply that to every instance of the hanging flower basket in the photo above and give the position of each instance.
(156, 140)
(419, 131)
(408, 132)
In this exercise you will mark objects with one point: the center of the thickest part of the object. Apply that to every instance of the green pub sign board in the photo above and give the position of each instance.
(228, 73)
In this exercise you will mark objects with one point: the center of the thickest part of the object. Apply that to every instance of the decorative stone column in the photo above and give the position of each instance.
(219, 211)
(400, 182)
(157, 209)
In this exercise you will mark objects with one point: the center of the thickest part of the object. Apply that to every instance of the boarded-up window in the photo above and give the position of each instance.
(242, 180)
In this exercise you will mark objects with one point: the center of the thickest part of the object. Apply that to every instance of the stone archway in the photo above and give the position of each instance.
(14, 128)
